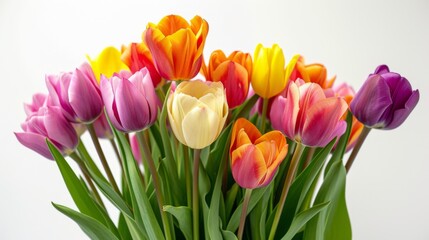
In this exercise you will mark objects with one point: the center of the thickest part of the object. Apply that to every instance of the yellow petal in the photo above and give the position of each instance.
(107, 63)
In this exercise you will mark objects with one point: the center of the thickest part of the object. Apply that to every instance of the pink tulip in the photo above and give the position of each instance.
(135, 148)
(131, 102)
(48, 123)
(102, 127)
(307, 116)
(77, 94)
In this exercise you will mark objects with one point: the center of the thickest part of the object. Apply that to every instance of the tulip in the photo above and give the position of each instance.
(135, 148)
(131, 102)
(234, 72)
(255, 157)
(107, 63)
(315, 73)
(177, 46)
(77, 94)
(307, 116)
(48, 123)
(102, 127)
(137, 56)
(385, 100)
(269, 77)
(39, 100)
(197, 112)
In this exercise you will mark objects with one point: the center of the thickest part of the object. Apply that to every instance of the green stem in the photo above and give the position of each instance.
(244, 213)
(87, 177)
(102, 157)
(195, 209)
(115, 149)
(145, 178)
(188, 175)
(288, 182)
(156, 183)
(264, 114)
(361, 139)
(308, 158)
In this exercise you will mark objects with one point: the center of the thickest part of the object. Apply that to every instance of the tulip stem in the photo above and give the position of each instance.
(188, 176)
(115, 149)
(244, 213)
(156, 182)
(102, 157)
(264, 114)
(308, 158)
(87, 177)
(195, 213)
(359, 142)
(288, 182)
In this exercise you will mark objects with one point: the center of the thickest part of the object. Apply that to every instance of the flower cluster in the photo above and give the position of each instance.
(246, 139)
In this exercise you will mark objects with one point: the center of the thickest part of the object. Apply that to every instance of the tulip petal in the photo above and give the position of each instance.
(277, 81)
(248, 166)
(400, 115)
(183, 44)
(35, 142)
(58, 129)
(290, 112)
(195, 127)
(108, 89)
(323, 122)
(161, 49)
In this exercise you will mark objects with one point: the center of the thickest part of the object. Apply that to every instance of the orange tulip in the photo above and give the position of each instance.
(233, 71)
(137, 56)
(177, 46)
(255, 157)
(315, 73)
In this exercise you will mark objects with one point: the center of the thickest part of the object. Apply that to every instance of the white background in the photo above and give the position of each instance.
(387, 188)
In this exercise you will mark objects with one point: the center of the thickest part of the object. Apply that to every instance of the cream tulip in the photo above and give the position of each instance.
(197, 112)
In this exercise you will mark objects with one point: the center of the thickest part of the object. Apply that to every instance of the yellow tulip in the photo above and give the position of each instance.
(107, 63)
(197, 112)
(269, 76)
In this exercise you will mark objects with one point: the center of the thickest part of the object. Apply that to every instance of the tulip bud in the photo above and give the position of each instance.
(177, 46)
(316, 73)
(102, 127)
(255, 157)
(385, 100)
(134, 144)
(306, 116)
(107, 63)
(48, 123)
(77, 94)
(197, 112)
(131, 102)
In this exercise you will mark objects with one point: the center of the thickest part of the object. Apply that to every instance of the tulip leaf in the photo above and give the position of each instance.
(140, 201)
(183, 216)
(300, 189)
(78, 191)
(244, 109)
(257, 194)
(204, 187)
(302, 218)
(258, 216)
(134, 230)
(230, 199)
(123, 229)
(93, 228)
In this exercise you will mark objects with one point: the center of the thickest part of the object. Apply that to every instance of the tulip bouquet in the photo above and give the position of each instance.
(239, 146)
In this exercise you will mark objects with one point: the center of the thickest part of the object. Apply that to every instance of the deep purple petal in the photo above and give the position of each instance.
(382, 69)
(400, 115)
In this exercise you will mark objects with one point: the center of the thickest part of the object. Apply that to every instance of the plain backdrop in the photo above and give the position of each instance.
(387, 188)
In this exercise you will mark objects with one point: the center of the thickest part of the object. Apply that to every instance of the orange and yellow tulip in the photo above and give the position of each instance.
(177, 46)
(255, 157)
(233, 71)
(316, 73)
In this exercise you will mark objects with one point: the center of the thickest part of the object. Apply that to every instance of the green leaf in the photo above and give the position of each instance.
(230, 199)
(258, 216)
(93, 228)
(244, 109)
(134, 230)
(123, 229)
(183, 216)
(84, 202)
(302, 218)
(142, 207)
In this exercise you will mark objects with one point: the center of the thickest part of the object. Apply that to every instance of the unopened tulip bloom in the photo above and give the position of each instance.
(255, 157)
(234, 72)
(177, 46)
(131, 102)
(39, 100)
(48, 123)
(107, 63)
(269, 76)
(134, 144)
(137, 56)
(77, 94)
(385, 100)
(316, 73)
(307, 116)
(102, 127)
(197, 112)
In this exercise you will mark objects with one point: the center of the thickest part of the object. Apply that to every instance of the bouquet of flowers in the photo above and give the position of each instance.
(239, 146)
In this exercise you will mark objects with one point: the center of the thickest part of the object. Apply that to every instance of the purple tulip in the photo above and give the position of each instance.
(48, 123)
(385, 100)
(39, 100)
(77, 94)
(131, 102)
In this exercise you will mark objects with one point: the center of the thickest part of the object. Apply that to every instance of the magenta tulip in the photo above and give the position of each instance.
(48, 123)
(307, 116)
(77, 94)
(134, 143)
(130, 100)
(385, 100)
